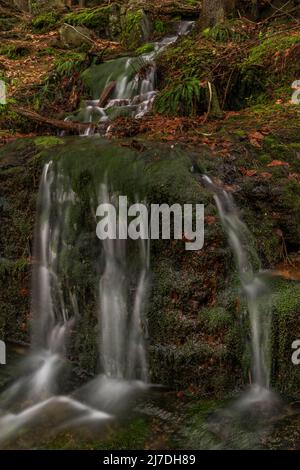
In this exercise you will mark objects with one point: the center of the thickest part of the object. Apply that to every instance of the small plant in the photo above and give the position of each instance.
(14, 52)
(159, 26)
(66, 66)
(228, 31)
(182, 98)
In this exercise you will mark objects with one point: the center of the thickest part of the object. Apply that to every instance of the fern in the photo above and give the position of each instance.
(182, 98)
(227, 31)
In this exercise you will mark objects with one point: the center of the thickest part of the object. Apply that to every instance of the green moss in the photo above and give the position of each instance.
(45, 22)
(227, 31)
(127, 434)
(132, 29)
(286, 329)
(96, 19)
(145, 49)
(267, 72)
(269, 46)
(48, 141)
(159, 26)
(215, 319)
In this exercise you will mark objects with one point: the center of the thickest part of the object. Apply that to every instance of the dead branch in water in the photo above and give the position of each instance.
(106, 94)
(63, 125)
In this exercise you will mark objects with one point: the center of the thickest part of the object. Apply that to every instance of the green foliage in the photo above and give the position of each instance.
(181, 98)
(227, 31)
(132, 29)
(126, 435)
(14, 52)
(159, 26)
(269, 46)
(215, 319)
(45, 22)
(66, 65)
(198, 59)
(92, 18)
(145, 49)
(286, 314)
(48, 141)
(47, 51)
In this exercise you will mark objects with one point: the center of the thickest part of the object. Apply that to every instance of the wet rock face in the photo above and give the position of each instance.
(198, 328)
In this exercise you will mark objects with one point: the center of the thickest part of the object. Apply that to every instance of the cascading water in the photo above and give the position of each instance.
(134, 87)
(121, 302)
(122, 355)
(255, 290)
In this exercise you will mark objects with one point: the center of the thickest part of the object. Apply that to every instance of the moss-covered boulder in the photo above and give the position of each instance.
(104, 20)
(136, 28)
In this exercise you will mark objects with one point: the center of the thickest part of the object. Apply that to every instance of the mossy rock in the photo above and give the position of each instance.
(97, 77)
(136, 29)
(45, 22)
(75, 38)
(104, 21)
(286, 329)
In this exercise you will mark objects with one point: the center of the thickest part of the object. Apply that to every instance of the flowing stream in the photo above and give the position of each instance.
(133, 84)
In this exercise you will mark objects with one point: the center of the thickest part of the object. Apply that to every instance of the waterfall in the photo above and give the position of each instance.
(254, 288)
(122, 350)
(121, 303)
(135, 89)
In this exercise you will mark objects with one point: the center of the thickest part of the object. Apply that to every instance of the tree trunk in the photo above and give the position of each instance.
(215, 11)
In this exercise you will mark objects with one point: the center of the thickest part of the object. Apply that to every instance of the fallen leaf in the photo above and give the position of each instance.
(250, 173)
(256, 138)
(277, 163)
(24, 292)
(210, 219)
(266, 175)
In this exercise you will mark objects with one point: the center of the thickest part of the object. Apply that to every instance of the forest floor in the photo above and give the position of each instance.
(33, 63)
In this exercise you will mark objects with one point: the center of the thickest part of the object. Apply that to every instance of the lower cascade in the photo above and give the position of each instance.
(120, 309)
